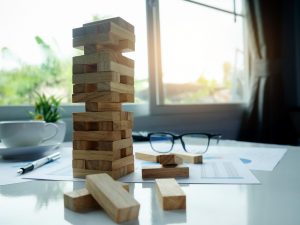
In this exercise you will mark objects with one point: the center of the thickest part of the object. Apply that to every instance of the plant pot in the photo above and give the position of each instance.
(60, 136)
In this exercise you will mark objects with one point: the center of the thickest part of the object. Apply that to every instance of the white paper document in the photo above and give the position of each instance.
(255, 158)
(214, 171)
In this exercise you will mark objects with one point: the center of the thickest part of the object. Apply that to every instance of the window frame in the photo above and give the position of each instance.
(156, 96)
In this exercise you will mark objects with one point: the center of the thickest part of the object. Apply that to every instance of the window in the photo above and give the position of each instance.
(36, 45)
(198, 54)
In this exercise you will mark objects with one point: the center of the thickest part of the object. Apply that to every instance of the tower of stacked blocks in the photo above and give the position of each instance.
(103, 79)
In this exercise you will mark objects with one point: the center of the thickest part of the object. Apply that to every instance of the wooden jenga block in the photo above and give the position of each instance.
(96, 96)
(113, 66)
(84, 69)
(102, 145)
(102, 107)
(80, 155)
(92, 44)
(96, 77)
(190, 157)
(99, 135)
(147, 156)
(103, 126)
(126, 80)
(123, 162)
(100, 116)
(104, 27)
(103, 87)
(117, 20)
(82, 201)
(158, 171)
(169, 159)
(101, 165)
(169, 194)
(104, 56)
(116, 202)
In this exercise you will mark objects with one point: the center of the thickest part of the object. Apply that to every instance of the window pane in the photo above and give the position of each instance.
(36, 45)
(202, 54)
(223, 4)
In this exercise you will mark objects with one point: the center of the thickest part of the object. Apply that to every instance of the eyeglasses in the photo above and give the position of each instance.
(163, 142)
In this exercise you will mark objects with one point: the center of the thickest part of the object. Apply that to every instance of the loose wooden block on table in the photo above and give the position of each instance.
(169, 159)
(190, 157)
(116, 202)
(147, 156)
(170, 195)
(82, 201)
(158, 171)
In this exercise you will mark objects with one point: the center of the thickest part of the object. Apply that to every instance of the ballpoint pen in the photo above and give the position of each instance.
(38, 163)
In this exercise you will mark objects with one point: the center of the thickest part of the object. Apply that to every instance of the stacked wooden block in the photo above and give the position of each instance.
(103, 79)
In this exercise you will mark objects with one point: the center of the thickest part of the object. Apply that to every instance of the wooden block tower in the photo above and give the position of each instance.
(103, 79)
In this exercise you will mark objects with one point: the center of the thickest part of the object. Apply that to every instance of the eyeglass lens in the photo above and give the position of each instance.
(195, 143)
(161, 142)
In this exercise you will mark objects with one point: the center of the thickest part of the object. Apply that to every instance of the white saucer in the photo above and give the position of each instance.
(25, 152)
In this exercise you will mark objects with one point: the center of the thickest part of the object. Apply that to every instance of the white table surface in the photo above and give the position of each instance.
(275, 201)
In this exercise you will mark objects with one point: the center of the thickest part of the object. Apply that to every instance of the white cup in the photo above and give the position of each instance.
(25, 133)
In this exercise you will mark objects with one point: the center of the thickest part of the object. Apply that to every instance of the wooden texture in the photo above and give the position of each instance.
(147, 156)
(116, 202)
(169, 194)
(169, 159)
(190, 158)
(102, 145)
(101, 116)
(102, 107)
(126, 80)
(158, 171)
(104, 56)
(95, 77)
(82, 201)
(104, 27)
(103, 126)
(103, 87)
(117, 20)
(96, 97)
(98, 135)
(92, 44)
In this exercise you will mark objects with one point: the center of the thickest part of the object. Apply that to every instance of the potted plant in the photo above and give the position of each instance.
(49, 109)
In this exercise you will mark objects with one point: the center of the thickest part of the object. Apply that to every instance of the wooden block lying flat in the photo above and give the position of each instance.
(102, 145)
(102, 107)
(103, 56)
(103, 126)
(147, 156)
(83, 69)
(103, 86)
(165, 172)
(170, 194)
(96, 77)
(82, 201)
(169, 159)
(116, 202)
(126, 80)
(98, 135)
(189, 157)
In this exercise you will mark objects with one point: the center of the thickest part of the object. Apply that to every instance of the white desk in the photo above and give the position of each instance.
(275, 201)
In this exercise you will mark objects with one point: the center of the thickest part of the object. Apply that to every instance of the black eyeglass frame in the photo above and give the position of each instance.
(176, 137)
